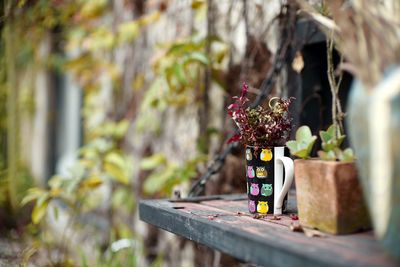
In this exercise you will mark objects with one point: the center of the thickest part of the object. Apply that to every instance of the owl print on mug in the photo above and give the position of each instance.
(250, 172)
(261, 172)
(254, 189)
(252, 206)
(249, 156)
(262, 207)
(266, 154)
(266, 190)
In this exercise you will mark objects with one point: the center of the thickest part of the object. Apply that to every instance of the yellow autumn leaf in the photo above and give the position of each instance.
(116, 172)
(93, 8)
(197, 4)
(92, 182)
(39, 210)
(55, 192)
(121, 128)
(147, 19)
(128, 31)
(138, 82)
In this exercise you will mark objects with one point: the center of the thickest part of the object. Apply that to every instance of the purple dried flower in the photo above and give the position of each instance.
(261, 127)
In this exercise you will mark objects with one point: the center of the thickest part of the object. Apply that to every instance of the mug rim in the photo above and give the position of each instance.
(264, 146)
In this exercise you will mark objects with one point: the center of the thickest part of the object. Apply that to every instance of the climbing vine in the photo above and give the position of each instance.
(89, 41)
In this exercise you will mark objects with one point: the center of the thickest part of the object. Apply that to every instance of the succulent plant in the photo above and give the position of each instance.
(331, 140)
(302, 146)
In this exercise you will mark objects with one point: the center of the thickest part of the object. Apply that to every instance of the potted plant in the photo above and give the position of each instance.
(264, 131)
(373, 105)
(329, 197)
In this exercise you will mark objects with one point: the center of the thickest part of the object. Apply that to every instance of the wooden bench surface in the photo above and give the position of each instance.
(223, 223)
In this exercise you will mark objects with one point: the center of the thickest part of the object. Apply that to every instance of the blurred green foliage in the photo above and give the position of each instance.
(15, 180)
(85, 38)
(165, 174)
(180, 68)
(3, 130)
(101, 161)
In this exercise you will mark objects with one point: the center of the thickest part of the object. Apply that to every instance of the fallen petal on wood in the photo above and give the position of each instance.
(296, 227)
(276, 218)
(313, 233)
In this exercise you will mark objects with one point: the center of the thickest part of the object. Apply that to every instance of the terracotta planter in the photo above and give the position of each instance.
(329, 197)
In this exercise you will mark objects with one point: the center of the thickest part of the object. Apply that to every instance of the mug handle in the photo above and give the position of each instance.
(289, 174)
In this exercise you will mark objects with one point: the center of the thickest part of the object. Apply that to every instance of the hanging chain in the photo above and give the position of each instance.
(281, 57)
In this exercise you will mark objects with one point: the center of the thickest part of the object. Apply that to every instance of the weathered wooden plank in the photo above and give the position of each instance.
(217, 224)
(341, 245)
(217, 235)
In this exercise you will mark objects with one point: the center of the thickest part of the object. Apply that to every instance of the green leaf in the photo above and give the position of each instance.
(100, 38)
(303, 133)
(123, 198)
(340, 140)
(153, 161)
(325, 136)
(303, 153)
(33, 194)
(347, 155)
(102, 144)
(349, 152)
(196, 57)
(71, 185)
(39, 210)
(303, 144)
(115, 158)
(27, 199)
(128, 31)
(117, 167)
(55, 182)
(56, 212)
(163, 180)
(117, 173)
(121, 128)
(331, 130)
(43, 198)
(330, 155)
(330, 140)
(179, 73)
(329, 146)
(179, 48)
(84, 261)
(311, 144)
(292, 145)
(157, 181)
